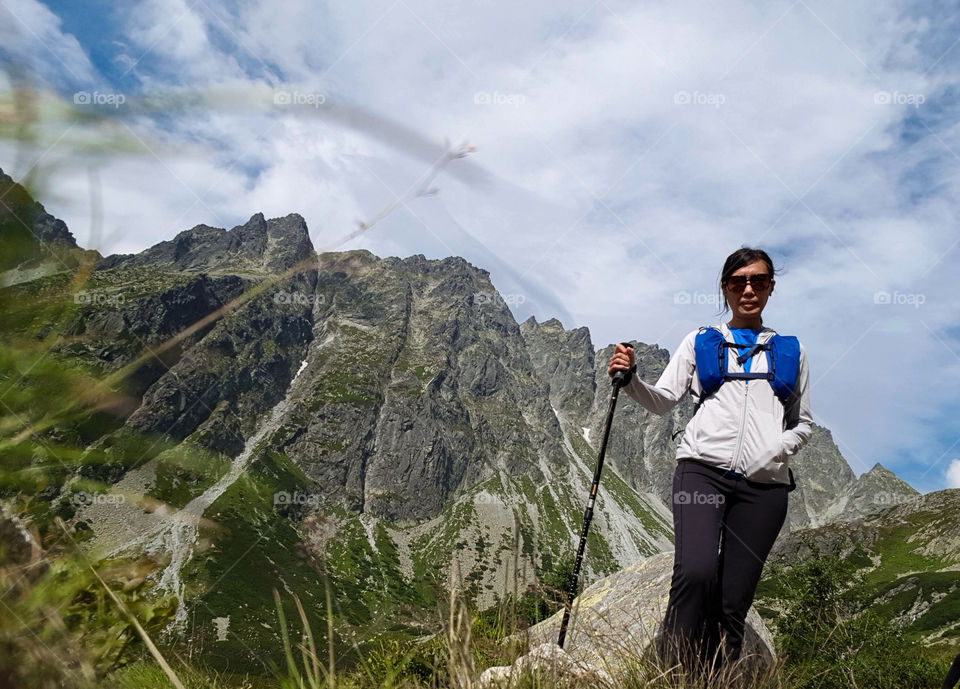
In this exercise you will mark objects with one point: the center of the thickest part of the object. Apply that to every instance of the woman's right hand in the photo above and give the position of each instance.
(622, 359)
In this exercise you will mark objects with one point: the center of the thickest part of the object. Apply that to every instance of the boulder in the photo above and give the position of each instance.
(617, 618)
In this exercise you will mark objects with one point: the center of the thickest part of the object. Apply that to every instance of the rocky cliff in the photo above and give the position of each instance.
(33, 242)
(257, 245)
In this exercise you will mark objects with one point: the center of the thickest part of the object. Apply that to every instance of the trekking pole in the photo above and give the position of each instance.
(618, 381)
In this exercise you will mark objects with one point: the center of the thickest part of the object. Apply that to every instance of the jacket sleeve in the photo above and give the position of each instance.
(673, 384)
(798, 422)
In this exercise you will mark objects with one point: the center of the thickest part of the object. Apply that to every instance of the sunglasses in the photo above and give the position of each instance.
(738, 283)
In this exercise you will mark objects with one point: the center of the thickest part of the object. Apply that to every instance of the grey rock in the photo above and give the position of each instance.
(564, 360)
(619, 618)
(423, 390)
(549, 663)
(876, 490)
(211, 387)
(822, 476)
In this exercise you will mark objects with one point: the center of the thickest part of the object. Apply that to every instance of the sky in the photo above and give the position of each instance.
(600, 159)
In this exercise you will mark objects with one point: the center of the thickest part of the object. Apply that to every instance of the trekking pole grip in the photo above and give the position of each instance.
(621, 378)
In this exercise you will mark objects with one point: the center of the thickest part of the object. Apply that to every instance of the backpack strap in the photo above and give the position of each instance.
(785, 358)
(711, 359)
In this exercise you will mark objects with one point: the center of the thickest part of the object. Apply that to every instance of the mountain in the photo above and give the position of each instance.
(385, 423)
(258, 245)
(875, 490)
(828, 491)
(33, 242)
(378, 418)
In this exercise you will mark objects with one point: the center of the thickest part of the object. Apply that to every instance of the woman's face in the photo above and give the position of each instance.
(749, 303)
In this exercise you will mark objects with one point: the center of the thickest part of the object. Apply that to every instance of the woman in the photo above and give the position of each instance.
(732, 477)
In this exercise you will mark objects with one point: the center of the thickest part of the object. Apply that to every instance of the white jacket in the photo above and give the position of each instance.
(742, 426)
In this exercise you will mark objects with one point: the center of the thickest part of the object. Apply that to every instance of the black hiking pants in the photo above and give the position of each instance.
(724, 527)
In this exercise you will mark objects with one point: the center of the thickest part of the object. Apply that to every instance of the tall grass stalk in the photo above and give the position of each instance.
(148, 642)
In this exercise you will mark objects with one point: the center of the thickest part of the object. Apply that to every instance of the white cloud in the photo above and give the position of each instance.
(32, 38)
(953, 474)
(170, 43)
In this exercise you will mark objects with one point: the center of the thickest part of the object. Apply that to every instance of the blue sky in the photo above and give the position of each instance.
(622, 151)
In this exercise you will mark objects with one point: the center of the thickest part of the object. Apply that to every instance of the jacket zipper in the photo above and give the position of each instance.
(743, 419)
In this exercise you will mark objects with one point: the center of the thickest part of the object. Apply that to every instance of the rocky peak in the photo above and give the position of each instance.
(875, 490)
(879, 473)
(19, 211)
(564, 360)
(33, 243)
(259, 245)
(442, 395)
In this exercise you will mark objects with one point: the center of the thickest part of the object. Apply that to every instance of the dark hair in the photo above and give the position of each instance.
(738, 259)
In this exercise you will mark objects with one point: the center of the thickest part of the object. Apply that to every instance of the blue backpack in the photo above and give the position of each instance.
(783, 361)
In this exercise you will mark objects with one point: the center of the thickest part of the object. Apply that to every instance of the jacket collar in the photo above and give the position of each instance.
(764, 335)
